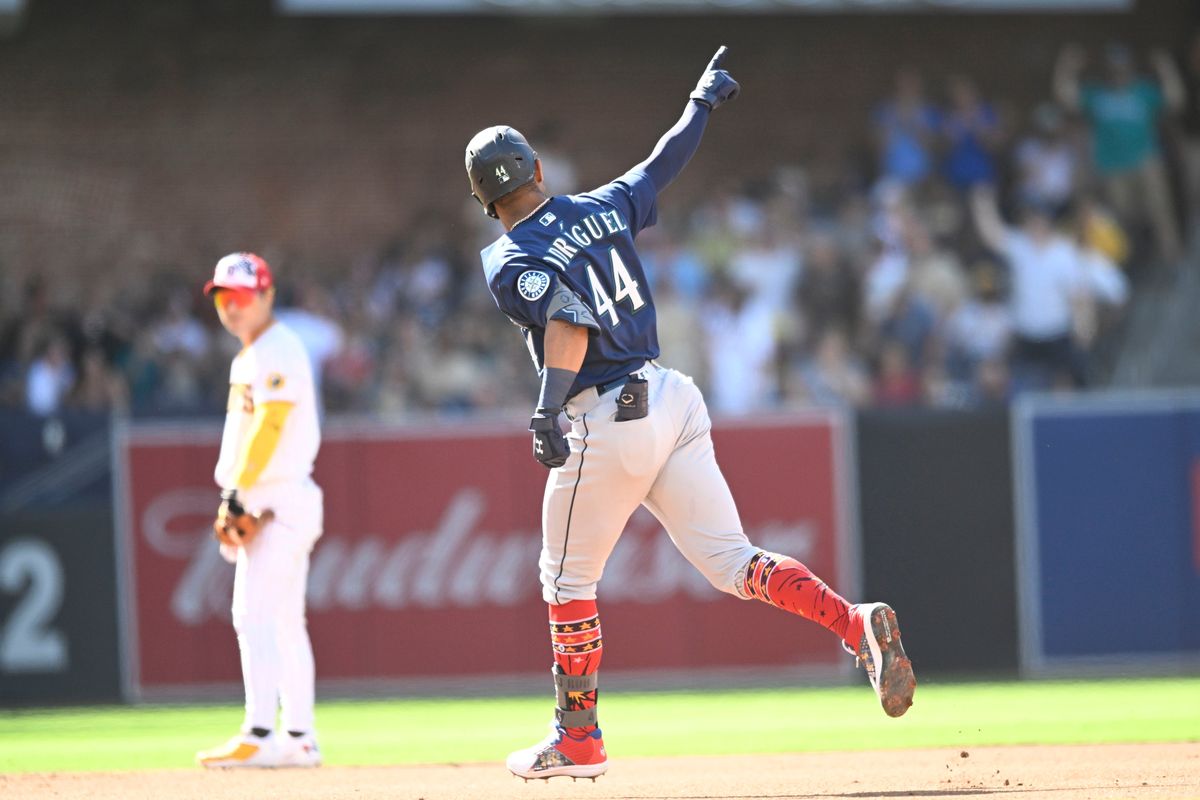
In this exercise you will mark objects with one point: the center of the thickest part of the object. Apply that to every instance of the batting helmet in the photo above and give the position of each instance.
(499, 160)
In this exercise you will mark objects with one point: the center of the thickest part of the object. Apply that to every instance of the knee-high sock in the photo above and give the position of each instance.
(578, 645)
(786, 583)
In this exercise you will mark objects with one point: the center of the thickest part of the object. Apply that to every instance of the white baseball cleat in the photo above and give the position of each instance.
(561, 754)
(243, 750)
(880, 652)
(299, 751)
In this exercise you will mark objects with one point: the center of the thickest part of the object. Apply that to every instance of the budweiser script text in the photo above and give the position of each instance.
(458, 564)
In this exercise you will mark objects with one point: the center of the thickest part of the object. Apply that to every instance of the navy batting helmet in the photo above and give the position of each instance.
(499, 160)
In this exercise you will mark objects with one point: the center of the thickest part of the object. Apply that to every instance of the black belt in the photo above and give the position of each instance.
(605, 388)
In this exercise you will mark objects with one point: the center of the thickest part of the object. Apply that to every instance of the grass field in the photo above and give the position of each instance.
(449, 730)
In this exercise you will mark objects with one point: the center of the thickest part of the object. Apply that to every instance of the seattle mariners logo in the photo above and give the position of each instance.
(533, 284)
(501, 174)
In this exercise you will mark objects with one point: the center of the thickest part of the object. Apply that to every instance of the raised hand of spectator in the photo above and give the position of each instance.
(986, 213)
(1070, 63)
(1168, 76)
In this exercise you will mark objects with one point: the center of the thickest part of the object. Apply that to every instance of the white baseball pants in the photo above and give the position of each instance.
(268, 614)
(664, 461)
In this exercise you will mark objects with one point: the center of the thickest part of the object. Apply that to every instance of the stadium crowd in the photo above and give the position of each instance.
(979, 251)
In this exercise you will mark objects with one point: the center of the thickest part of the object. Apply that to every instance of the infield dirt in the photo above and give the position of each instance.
(1029, 773)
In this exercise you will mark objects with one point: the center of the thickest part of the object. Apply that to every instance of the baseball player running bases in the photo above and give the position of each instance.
(568, 275)
(270, 516)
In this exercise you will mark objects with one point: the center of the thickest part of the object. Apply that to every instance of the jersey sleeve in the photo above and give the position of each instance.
(634, 195)
(523, 294)
(531, 296)
(279, 375)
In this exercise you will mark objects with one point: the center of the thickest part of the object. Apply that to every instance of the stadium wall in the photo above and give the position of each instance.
(917, 508)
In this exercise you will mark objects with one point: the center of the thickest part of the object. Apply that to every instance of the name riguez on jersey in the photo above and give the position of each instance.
(591, 228)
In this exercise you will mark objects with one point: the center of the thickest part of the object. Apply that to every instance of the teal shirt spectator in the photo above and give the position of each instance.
(1124, 124)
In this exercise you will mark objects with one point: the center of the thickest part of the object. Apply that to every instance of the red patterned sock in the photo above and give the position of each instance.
(578, 645)
(786, 583)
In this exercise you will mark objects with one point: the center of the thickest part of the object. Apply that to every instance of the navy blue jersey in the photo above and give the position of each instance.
(586, 240)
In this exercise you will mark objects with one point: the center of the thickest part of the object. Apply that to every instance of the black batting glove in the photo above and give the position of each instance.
(550, 447)
(716, 85)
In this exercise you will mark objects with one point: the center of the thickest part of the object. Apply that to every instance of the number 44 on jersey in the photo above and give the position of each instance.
(624, 287)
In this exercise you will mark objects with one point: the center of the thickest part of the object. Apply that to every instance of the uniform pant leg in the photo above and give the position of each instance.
(297, 682)
(590, 498)
(1156, 195)
(268, 573)
(692, 500)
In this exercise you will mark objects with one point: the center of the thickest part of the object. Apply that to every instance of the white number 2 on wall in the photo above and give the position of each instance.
(27, 642)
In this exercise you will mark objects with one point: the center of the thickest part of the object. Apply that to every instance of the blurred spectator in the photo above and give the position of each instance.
(678, 322)
(1191, 128)
(912, 322)
(980, 329)
(312, 319)
(100, 387)
(992, 384)
(178, 331)
(1047, 161)
(1099, 230)
(391, 396)
(828, 295)
(885, 281)
(833, 376)
(741, 348)
(143, 374)
(905, 128)
(664, 255)
(897, 383)
(935, 275)
(1046, 282)
(1124, 111)
(1107, 289)
(348, 377)
(447, 376)
(973, 135)
(50, 378)
(767, 263)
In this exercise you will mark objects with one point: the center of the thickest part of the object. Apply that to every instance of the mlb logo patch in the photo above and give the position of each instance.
(547, 219)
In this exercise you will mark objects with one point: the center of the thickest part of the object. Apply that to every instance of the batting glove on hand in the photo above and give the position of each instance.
(716, 85)
(550, 447)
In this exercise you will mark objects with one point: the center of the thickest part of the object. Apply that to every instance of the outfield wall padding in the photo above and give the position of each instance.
(936, 516)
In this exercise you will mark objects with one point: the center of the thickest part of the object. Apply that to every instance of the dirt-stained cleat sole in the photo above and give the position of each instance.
(888, 667)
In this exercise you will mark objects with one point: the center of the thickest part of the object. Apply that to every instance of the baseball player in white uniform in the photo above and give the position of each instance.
(269, 519)
(567, 273)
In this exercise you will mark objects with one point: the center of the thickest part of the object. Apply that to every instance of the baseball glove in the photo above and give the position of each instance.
(235, 526)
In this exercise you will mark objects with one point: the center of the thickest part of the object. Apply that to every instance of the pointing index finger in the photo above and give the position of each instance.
(718, 57)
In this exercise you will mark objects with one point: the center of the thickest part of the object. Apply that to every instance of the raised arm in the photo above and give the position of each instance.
(678, 145)
(1066, 76)
(1169, 80)
(987, 217)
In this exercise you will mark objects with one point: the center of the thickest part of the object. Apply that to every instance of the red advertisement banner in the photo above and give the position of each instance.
(433, 534)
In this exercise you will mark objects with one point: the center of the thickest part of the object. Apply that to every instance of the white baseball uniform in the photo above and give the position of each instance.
(272, 570)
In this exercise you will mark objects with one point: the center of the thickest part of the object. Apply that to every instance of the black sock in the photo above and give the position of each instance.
(261, 733)
(296, 734)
